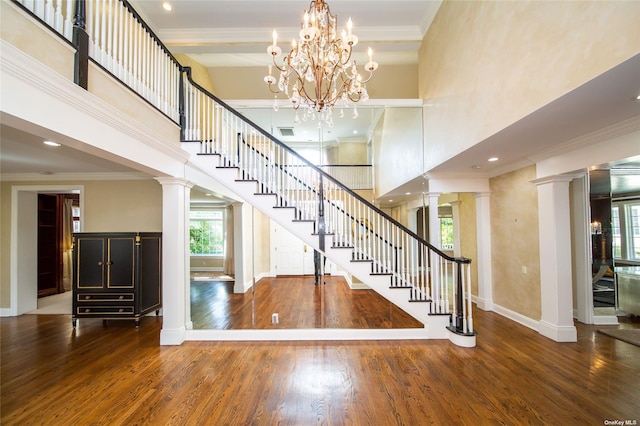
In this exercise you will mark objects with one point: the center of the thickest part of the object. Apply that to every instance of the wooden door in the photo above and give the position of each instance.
(293, 257)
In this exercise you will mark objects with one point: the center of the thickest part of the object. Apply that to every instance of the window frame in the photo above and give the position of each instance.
(221, 222)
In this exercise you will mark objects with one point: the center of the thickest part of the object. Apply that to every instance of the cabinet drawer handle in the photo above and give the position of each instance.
(121, 297)
(100, 263)
(87, 297)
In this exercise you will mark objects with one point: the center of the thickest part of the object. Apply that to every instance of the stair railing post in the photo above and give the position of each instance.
(182, 103)
(81, 41)
(459, 299)
(321, 224)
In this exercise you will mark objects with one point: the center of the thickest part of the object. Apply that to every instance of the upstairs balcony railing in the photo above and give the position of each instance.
(111, 34)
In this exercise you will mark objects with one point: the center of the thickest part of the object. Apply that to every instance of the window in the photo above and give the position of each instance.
(615, 231)
(446, 232)
(206, 232)
(625, 216)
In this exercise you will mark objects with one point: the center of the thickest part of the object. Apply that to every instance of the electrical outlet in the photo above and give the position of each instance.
(524, 269)
(274, 318)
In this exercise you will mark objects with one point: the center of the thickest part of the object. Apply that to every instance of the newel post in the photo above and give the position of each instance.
(459, 299)
(182, 103)
(321, 224)
(81, 41)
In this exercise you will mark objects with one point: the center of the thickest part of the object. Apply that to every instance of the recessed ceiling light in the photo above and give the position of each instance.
(407, 193)
(638, 97)
(355, 132)
(51, 143)
(167, 6)
(391, 201)
(492, 159)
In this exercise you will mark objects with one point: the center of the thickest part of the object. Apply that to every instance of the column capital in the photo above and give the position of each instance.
(175, 181)
(552, 179)
(484, 194)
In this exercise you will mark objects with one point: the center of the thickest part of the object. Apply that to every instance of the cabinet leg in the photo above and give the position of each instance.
(157, 312)
(137, 322)
(74, 322)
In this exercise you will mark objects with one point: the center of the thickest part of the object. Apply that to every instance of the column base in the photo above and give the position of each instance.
(172, 337)
(559, 333)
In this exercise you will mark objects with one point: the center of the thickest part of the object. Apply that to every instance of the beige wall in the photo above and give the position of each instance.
(206, 262)
(352, 153)
(199, 73)
(35, 40)
(515, 242)
(505, 59)
(397, 148)
(468, 235)
(388, 82)
(110, 206)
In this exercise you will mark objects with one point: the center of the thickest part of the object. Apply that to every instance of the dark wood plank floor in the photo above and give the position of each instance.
(299, 304)
(115, 374)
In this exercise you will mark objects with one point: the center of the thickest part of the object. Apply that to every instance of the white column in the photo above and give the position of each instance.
(455, 215)
(483, 256)
(554, 228)
(176, 313)
(434, 221)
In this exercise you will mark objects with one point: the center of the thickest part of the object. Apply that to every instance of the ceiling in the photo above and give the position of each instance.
(236, 33)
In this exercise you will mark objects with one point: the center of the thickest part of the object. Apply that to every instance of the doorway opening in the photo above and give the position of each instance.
(36, 253)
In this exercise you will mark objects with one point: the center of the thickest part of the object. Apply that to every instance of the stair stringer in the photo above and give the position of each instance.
(247, 190)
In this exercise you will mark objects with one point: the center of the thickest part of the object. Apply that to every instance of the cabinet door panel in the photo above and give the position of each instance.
(121, 261)
(150, 272)
(90, 263)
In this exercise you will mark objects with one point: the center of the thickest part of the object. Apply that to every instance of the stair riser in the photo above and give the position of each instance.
(305, 231)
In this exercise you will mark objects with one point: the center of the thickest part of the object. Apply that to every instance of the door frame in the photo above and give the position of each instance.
(24, 291)
(307, 256)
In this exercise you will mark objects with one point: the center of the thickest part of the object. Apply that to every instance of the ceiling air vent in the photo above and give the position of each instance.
(286, 131)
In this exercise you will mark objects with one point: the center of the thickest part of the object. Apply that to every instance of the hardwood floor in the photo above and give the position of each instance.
(299, 304)
(115, 374)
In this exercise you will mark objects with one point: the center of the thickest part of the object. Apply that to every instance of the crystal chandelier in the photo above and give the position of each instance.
(319, 72)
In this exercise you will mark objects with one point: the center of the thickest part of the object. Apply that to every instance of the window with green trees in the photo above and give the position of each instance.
(206, 232)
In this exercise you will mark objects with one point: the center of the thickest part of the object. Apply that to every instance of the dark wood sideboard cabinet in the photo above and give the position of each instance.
(116, 275)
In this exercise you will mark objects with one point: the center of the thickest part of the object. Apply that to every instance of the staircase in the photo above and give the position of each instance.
(420, 279)
(392, 260)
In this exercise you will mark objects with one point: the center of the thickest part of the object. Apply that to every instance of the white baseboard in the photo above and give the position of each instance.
(246, 286)
(5, 312)
(172, 337)
(332, 334)
(605, 320)
(515, 316)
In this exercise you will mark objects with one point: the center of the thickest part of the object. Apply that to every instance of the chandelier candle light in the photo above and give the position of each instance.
(319, 71)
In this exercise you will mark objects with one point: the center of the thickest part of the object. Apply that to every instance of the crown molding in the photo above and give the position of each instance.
(72, 177)
(235, 36)
(620, 128)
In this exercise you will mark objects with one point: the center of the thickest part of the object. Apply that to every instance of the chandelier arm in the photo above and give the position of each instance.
(320, 68)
